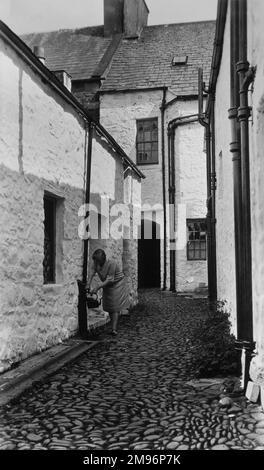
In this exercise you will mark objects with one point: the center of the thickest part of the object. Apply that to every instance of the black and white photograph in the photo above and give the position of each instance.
(132, 232)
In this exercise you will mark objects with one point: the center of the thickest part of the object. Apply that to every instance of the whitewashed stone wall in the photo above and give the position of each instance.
(256, 100)
(132, 186)
(119, 113)
(225, 224)
(225, 240)
(191, 192)
(42, 148)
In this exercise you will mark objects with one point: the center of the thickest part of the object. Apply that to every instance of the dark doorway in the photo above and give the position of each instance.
(149, 255)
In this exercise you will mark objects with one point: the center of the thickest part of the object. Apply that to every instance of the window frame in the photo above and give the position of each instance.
(144, 142)
(200, 250)
(57, 217)
(52, 200)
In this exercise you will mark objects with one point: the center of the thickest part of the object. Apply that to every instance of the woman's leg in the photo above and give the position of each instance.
(114, 319)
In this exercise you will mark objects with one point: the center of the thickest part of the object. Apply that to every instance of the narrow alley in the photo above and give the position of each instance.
(137, 391)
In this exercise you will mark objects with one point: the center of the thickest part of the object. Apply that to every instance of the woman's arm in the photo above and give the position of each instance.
(92, 275)
(109, 278)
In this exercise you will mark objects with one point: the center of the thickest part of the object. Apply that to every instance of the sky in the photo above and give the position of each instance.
(24, 16)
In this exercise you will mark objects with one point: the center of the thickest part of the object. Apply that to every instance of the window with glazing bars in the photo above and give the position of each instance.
(147, 141)
(196, 239)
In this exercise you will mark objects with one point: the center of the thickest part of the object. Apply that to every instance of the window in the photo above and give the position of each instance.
(53, 237)
(180, 60)
(49, 240)
(196, 239)
(147, 141)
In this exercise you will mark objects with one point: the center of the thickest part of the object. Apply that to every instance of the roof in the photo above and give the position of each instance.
(137, 63)
(147, 62)
(77, 51)
(25, 52)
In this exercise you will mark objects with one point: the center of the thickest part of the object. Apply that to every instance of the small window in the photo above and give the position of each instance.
(147, 141)
(180, 60)
(49, 240)
(53, 239)
(196, 239)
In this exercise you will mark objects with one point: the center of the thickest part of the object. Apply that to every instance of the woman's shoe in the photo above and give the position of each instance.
(114, 333)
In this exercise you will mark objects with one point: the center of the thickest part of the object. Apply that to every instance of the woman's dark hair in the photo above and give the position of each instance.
(99, 256)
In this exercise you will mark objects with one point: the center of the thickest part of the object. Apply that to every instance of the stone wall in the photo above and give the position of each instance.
(256, 128)
(224, 203)
(42, 149)
(119, 113)
(190, 166)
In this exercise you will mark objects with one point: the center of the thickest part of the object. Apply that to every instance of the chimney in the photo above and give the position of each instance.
(125, 16)
(113, 17)
(64, 78)
(135, 17)
(40, 53)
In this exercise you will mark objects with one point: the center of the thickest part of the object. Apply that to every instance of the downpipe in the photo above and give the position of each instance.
(205, 122)
(162, 108)
(172, 126)
(82, 309)
(246, 76)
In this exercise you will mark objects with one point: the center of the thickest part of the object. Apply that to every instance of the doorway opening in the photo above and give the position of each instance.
(149, 255)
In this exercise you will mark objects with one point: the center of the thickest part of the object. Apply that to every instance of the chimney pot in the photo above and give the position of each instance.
(40, 53)
(64, 78)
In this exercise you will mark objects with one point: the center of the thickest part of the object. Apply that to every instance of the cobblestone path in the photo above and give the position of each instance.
(135, 391)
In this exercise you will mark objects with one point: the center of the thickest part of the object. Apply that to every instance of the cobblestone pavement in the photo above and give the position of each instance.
(136, 391)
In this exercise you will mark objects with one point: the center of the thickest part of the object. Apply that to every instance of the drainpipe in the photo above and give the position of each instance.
(82, 311)
(213, 214)
(172, 126)
(87, 195)
(205, 122)
(163, 107)
(246, 77)
(235, 150)
(172, 190)
(171, 215)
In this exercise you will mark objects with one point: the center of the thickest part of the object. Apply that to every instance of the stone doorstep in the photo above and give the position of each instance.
(13, 382)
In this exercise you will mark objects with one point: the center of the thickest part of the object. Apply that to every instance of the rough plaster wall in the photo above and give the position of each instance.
(117, 191)
(191, 192)
(225, 242)
(42, 144)
(110, 188)
(41, 148)
(255, 57)
(132, 190)
(190, 174)
(119, 113)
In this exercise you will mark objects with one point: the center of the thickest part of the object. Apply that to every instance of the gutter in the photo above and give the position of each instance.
(130, 90)
(48, 77)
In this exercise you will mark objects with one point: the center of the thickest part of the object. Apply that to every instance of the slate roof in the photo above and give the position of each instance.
(137, 63)
(78, 51)
(147, 62)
